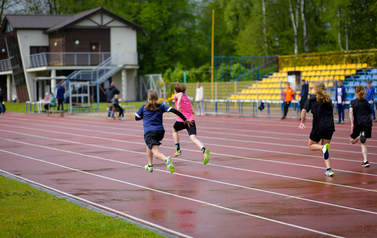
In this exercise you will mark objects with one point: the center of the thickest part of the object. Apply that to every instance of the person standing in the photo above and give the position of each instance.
(288, 99)
(370, 90)
(60, 90)
(340, 99)
(199, 96)
(361, 122)
(1, 102)
(111, 91)
(304, 93)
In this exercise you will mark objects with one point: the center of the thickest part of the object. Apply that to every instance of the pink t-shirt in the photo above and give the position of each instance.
(185, 105)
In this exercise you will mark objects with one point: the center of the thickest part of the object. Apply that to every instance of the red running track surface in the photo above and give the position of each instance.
(261, 180)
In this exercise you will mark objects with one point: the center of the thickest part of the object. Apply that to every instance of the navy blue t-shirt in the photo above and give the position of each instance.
(152, 120)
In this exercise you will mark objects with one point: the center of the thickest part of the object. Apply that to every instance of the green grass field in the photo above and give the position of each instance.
(29, 212)
(21, 107)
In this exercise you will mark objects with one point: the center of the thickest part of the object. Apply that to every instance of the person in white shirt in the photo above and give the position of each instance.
(199, 98)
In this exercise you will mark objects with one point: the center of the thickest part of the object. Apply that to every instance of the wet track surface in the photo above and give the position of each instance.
(261, 181)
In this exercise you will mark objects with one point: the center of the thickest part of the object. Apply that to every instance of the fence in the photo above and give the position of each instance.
(149, 82)
(76, 58)
(5, 65)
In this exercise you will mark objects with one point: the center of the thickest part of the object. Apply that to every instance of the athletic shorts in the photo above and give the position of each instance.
(327, 135)
(178, 126)
(153, 138)
(357, 129)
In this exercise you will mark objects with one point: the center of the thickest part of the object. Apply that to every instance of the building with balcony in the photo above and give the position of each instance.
(96, 44)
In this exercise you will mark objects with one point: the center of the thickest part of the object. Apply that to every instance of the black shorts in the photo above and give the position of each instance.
(178, 126)
(153, 138)
(327, 135)
(357, 129)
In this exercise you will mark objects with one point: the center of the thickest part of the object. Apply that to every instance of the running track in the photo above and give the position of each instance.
(261, 181)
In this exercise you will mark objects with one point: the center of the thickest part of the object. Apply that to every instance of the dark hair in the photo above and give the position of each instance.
(320, 94)
(180, 87)
(369, 82)
(154, 104)
(360, 92)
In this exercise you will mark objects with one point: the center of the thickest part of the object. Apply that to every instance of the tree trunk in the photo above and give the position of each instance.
(339, 35)
(295, 25)
(346, 29)
(306, 42)
(265, 26)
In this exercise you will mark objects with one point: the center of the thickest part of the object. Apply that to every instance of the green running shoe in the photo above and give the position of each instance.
(206, 157)
(329, 173)
(169, 164)
(149, 168)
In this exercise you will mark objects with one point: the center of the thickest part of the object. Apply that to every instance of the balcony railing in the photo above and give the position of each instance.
(5, 65)
(75, 59)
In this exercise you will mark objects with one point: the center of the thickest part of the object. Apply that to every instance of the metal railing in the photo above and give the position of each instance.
(76, 58)
(5, 65)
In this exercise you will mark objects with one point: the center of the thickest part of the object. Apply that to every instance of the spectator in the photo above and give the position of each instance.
(340, 99)
(199, 96)
(304, 93)
(115, 102)
(288, 99)
(111, 91)
(370, 90)
(2, 109)
(51, 100)
(60, 96)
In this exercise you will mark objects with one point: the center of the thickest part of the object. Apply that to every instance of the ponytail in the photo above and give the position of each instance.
(360, 92)
(153, 103)
(320, 94)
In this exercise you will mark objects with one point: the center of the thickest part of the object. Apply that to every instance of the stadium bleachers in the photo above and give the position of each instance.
(270, 88)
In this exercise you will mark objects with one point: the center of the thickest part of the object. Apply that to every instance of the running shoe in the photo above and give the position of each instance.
(177, 153)
(338, 122)
(365, 164)
(329, 173)
(342, 122)
(325, 151)
(169, 164)
(206, 157)
(362, 137)
(149, 168)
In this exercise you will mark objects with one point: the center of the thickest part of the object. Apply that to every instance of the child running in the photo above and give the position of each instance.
(183, 104)
(361, 122)
(323, 122)
(154, 131)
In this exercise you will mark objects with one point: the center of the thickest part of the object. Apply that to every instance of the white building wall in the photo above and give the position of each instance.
(122, 39)
(27, 38)
(131, 84)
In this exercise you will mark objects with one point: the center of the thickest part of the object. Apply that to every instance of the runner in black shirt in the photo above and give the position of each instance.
(323, 122)
(361, 123)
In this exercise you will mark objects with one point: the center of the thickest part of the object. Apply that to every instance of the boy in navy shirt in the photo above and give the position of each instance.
(151, 114)
(340, 99)
(370, 90)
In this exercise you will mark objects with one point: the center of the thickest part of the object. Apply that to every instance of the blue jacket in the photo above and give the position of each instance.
(60, 93)
(370, 93)
(341, 92)
(304, 91)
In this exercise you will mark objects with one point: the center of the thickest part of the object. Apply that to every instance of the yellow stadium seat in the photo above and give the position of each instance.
(354, 66)
(342, 77)
(336, 77)
(364, 65)
(315, 67)
(343, 66)
(330, 84)
(353, 71)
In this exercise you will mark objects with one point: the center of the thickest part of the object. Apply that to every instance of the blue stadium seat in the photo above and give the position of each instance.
(332, 97)
(374, 77)
(362, 77)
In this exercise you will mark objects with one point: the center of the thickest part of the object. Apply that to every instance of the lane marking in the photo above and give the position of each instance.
(123, 214)
(195, 177)
(175, 195)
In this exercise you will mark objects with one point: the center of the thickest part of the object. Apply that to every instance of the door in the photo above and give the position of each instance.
(95, 57)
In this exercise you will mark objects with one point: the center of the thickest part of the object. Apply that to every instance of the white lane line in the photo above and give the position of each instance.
(221, 145)
(175, 195)
(191, 161)
(214, 131)
(200, 178)
(116, 212)
(213, 153)
(211, 129)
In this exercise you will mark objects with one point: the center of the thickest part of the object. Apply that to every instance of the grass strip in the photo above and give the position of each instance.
(28, 212)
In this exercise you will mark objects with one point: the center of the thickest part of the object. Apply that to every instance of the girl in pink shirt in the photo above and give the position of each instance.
(184, 105)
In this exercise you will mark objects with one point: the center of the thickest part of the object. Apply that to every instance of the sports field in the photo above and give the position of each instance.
(261, 181)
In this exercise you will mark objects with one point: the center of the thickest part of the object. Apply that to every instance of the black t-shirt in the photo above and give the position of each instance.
(323, 118)
(361, 112)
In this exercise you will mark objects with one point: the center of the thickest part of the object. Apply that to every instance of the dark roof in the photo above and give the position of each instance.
(52, 23)
(22, 21)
